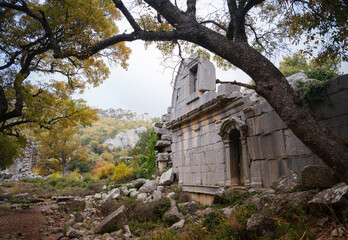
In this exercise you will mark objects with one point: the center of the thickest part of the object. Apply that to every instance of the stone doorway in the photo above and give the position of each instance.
(237, 166)
(235, 147)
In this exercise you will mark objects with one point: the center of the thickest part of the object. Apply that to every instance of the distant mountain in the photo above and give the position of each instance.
(123, 114)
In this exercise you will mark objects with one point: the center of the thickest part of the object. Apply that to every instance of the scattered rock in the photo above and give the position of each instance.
(160, 188)
(190, 207)
(54, 207)
(156, 195)
(261, 225)
(114, 193)
(171, 195)
(331, 196)
(287, 183)
(116, 219)
(21, 195)
(322, 221)
(142, 196)
(316, 176)
(127, 232)
(59, 199)
(218, 195)
(173, 212)
(133, 192)
(78, 217)
(73, 233)
(167, 177)
(228, 211)
(59, 236)
(139, 182)
(178, 225)
(149, 186)
(338, 232)
(97, 196)
(281, 202)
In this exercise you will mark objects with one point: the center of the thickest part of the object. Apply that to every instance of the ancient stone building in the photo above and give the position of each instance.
(26, 162)
(233, 138)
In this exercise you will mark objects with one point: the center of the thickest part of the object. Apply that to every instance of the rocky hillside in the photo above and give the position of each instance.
(124, 114)
(125, 140)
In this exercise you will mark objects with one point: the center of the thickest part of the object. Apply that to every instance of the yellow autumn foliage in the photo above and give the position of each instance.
(55, 175)
(74, 175)
(121, 171)
(103, 169)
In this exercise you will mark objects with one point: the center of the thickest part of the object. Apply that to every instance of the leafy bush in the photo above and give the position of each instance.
(55, 175)
(103, 169)
(74, 175)
(121, 171)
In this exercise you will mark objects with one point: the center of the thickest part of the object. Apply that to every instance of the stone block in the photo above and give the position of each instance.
(293, 145)
(162, 143)
(254, 147)
(227, 88)
(268, 122)
(206, 76)
(338, 84)
(166, 137)
(273, 145)
(163, 157)
(166, 117)
(114, 221)
(158, 124)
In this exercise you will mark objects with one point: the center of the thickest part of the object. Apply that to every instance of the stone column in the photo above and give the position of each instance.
(245, 168)
(227, 157)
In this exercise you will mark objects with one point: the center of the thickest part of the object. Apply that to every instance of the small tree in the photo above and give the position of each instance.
(62, 146)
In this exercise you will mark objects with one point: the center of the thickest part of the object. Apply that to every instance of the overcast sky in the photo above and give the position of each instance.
(145, 87)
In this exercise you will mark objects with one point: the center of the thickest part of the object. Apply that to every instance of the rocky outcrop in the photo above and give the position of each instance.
(126, 140)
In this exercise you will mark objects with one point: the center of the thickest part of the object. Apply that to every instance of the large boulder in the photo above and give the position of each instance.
(139, 182)
(316, 176)
(287, 183)
(167, 177)
(337, 195)
(114, 221)
(149, 186)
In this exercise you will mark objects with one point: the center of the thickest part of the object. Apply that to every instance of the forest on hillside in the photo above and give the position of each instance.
(82, 150)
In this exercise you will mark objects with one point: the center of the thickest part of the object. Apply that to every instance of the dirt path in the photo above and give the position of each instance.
(21, 224)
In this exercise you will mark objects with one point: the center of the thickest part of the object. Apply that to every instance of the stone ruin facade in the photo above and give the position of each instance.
(26, 162)
(233, 138)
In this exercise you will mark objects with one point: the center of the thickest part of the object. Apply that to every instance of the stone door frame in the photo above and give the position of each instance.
(244, 176)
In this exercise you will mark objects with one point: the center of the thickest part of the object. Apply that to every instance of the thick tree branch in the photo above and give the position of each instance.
(191, 8)
(119, 4)
(237, 83)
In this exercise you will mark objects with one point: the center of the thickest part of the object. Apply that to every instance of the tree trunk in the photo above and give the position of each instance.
(272, 85)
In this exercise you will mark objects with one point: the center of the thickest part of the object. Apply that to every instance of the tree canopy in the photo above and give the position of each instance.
(71, 37)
